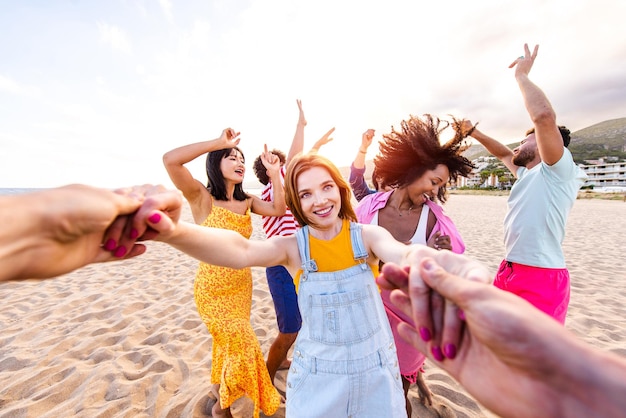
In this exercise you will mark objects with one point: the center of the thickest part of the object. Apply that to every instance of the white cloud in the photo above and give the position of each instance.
(115, 37)
(190, 69)
(166, 6)
(11, 86)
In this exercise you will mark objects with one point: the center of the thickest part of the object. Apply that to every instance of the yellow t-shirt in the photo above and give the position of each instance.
(334, 254)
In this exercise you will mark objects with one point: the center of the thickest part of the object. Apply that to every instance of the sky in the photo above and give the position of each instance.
(96, 92)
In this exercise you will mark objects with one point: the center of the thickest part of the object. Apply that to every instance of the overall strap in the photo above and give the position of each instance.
(358, 247)
(302, 237)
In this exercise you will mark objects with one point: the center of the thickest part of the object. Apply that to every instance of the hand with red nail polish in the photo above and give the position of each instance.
(62, 229)
(55, 231)
(513, 358)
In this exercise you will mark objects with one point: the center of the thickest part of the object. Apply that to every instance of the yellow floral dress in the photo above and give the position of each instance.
(224, 299)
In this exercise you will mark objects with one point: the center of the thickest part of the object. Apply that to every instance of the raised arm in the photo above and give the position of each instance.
(325, 139)
(495, 147)
(176, 159)
(357, 168)
(549, 140)
(297, 144)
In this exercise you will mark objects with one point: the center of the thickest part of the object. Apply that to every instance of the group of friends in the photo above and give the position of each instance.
(364, 295)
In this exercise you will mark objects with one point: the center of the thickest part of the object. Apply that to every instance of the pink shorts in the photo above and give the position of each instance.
(546, 289)
(410, 359)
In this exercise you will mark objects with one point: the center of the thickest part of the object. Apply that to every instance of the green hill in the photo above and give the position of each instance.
(604, 139)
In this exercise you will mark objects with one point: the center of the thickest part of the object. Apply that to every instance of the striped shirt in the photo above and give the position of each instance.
(278, 225)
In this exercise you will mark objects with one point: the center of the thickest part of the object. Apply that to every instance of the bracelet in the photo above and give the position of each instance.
(362, 152)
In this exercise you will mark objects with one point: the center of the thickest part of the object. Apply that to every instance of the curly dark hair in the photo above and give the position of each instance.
(564, 134)
(406, 155)
(216, 184)
(261, 171)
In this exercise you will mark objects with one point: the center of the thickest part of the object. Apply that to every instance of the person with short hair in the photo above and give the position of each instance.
(547, 185)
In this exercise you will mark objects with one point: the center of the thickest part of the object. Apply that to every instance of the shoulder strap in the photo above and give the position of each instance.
(302, 237)
(358, 247)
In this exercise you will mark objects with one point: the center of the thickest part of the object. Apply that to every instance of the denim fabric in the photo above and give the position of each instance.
(345, 362)
(285, 299)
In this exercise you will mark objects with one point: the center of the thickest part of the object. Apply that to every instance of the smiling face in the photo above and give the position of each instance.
(233, 166)
(319, 196)
(427, 186)
(316, 192)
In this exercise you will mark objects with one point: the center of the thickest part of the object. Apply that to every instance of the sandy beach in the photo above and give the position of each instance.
(124, 339)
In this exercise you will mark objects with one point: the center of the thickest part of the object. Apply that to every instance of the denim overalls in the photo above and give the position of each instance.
(344, 360)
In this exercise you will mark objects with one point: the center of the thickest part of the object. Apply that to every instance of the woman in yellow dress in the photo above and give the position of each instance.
(223, 295)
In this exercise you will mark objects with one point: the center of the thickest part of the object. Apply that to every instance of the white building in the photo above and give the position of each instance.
(605, 175)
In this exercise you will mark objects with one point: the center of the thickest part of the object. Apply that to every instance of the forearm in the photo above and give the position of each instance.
(19, 236)
(297, 144)
(221, 247)
(359, 160)
(278, 194)
(593, 382)
(358, 184)
(187, 153)
(496, 148)
(537, 104)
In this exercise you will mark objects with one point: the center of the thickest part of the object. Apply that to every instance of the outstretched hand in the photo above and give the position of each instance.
(438, 321)
(504, 340)
(69, 227)
(122, 236)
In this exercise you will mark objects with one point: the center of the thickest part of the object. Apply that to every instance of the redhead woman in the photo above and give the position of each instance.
(345, 361)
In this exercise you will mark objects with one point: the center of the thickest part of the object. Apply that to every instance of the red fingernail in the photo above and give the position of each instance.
(134, 233)
(425, 334)
(461, 315)
(155, 218)
(110, 244)
(120, 252)
(450, 351)
(437, 354)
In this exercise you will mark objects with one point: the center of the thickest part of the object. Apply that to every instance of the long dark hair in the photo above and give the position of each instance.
(216, 185)
(407, 154)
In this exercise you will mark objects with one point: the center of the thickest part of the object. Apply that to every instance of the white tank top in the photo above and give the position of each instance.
(419, 237)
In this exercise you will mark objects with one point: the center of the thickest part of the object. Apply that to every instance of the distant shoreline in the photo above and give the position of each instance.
(582, 194)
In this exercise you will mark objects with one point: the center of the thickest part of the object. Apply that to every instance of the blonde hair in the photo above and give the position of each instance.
(304, 162)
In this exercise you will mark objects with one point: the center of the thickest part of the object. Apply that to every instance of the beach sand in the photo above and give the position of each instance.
(124, 339)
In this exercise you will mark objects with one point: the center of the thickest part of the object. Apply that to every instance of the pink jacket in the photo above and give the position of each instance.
(409, 358)
(370, 204)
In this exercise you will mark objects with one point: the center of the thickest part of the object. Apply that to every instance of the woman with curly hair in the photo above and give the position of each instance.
(417, 167)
